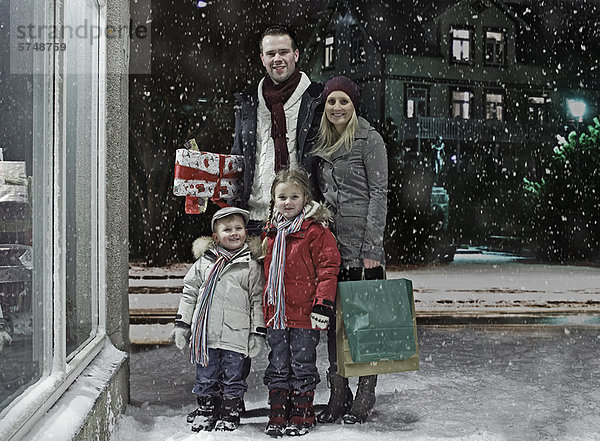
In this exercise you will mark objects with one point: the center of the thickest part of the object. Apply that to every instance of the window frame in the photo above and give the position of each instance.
(357, 46)
(471, 40)
(470, 102)
(542, 108)
(502, 94)
(503, 45)
(58, 371)
(329, 49)
(407, 99)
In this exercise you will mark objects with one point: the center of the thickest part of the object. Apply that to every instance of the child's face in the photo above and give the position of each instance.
(230, 233)
(289, 199)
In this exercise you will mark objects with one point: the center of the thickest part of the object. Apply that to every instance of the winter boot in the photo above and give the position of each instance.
(340, 399)
(363, 401)
(279, 400)
(206, 415)
(229, 413)
(302, 414)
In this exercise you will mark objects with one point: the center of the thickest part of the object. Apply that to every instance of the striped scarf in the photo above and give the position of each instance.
(275, 288)
(198, 343)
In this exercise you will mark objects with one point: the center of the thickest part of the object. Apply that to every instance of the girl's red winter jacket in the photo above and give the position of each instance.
(312, 264)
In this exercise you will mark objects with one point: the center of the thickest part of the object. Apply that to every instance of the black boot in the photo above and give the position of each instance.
(206, 415)
(363, 401)
(229, 413)
(340, 399)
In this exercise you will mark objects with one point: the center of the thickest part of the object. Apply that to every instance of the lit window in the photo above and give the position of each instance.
(495, 44)
(494, 106)
(416, 101)
(461, 45)
(536, 108)
(461, 104)
(329, 51)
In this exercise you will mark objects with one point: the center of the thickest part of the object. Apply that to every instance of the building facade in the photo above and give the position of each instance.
(64, 364)
(498, 81)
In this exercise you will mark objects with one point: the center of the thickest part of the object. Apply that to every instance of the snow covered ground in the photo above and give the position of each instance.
(474, 384)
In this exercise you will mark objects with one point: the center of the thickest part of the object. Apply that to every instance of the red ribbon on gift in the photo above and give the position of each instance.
(194, 174)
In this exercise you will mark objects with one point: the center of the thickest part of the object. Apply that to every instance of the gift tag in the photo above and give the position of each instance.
(195, 205)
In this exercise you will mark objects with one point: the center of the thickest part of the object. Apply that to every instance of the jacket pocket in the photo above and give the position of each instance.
(236, 328)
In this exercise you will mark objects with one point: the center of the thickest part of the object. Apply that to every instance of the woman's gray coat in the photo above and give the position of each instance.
(354, 184)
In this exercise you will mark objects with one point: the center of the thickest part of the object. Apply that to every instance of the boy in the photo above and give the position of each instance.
(220, 314)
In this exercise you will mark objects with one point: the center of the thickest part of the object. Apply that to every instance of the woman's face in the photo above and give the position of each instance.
(289, 199)
(339, 110)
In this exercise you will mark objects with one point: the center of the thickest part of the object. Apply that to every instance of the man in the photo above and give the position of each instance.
(276, 123)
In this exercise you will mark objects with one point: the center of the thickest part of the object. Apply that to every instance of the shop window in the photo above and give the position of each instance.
(494, 106)
(50, 193)
(329, 59)
(461, 43)
(495, 48)
(462, 101)
(417, 98)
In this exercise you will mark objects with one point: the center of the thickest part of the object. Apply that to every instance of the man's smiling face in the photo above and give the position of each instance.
(278, 57)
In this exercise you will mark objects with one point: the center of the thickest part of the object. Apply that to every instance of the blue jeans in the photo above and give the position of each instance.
(223, 374)
(293, 359)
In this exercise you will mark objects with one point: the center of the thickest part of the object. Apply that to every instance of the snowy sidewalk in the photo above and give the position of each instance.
(474, 384)
(476, 286)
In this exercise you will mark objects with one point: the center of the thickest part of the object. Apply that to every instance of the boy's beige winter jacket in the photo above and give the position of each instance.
(236, 308)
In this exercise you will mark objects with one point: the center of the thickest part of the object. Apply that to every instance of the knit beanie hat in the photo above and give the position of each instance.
(345, 85)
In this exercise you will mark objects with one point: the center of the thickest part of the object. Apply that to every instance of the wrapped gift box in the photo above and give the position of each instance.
(208, 175)
(13, 182)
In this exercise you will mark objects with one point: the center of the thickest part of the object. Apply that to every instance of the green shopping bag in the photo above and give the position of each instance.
(378, 319)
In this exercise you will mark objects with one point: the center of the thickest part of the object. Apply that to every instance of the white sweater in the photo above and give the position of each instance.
(264, 173)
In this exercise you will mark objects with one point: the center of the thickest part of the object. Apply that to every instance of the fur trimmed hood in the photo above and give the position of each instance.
(204, 243)
(319, 212)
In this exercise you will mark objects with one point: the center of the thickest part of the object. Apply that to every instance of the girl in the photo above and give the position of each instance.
(352, 175)
(301, 266)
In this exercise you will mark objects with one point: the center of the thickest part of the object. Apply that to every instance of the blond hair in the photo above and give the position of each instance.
(330, 141)
(297, 177)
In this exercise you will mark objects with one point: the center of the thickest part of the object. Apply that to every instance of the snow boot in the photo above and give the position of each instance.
(279, 400)
(229, 413)
(206, 415)
(302, 414)
(363, 401)
(340, 399)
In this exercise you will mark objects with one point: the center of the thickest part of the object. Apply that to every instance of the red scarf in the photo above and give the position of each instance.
(275, 97)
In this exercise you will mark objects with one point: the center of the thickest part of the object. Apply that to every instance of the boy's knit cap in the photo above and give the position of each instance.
(228, 211)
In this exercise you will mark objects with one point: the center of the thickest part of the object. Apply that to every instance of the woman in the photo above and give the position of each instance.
(352, 176)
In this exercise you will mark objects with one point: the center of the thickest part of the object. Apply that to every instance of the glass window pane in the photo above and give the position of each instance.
(498, 36)
(81, 90)
(410, 108)
(461, 33)
(21, 142)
